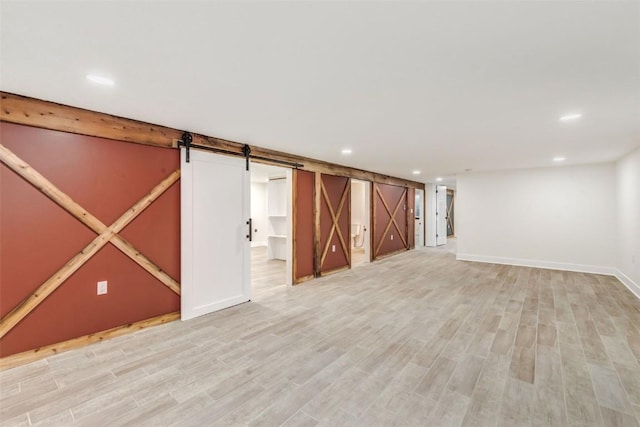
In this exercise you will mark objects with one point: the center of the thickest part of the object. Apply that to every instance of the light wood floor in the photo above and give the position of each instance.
(357, 257)
(415, 339)
(266, 274)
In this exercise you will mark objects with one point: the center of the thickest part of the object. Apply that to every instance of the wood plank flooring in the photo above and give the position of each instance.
(266, 274)
(358, 257)
(415, 339)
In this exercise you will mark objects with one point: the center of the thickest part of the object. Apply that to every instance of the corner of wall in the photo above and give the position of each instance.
(628, 221)
(630, 284)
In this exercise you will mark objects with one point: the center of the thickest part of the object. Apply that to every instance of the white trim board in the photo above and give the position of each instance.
(580, 268)
(258, 244)
(630, 284)
(550, 265)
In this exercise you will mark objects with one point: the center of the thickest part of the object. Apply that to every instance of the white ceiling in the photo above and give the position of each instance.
(436, 86)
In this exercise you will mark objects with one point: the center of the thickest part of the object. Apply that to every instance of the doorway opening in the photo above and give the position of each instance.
(360, 220)
(436, 215)
(419, 218)
(271, 228)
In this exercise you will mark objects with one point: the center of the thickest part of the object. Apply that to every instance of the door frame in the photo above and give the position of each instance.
(421, 229)
(441, 216)
(366, 221)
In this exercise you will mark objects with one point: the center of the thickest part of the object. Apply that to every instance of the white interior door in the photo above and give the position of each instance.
(215, 248)
(419, 215)
(441, 217)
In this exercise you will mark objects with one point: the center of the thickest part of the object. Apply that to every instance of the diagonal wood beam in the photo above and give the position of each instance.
(44, 290)
(336, 216)
(343, 199)
(152, 268)
(32, 176)
(393, 216)
(449, 221)
(334, 226)
(325, 250)
(389, 223)
(392, 219)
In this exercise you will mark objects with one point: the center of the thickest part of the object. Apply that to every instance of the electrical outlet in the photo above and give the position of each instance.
(333, 248)
(102, 287)
(392, 237)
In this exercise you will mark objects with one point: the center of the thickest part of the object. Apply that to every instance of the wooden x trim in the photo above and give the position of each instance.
(392, 220)
(335, 216)
(105, 235)
(449, 220)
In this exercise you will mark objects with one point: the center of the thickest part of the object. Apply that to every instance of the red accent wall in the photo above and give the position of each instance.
(392, 194)
(38, 237)
(335, 187)
(303, 223)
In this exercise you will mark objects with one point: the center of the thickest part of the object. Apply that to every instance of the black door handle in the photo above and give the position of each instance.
(250, 235)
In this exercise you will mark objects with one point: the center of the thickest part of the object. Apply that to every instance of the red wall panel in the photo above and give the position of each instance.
(303, 224)
(392, 195)
(335, 187)
(38, 237)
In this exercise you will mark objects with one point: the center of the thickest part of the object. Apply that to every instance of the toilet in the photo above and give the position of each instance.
(355, 232)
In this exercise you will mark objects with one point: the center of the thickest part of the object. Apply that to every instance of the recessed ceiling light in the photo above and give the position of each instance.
(416, 172)
(559, 159)
(100, 80)
(438, 179)
(569, 117)
(347, 151)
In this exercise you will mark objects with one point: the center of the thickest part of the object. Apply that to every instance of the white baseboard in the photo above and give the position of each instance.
(551, 265)
(580, 268)
(630, 284)
(256, 244)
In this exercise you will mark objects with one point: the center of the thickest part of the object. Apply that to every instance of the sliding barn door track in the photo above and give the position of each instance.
(187, 143)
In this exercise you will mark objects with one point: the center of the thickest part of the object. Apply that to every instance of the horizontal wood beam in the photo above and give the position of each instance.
(50, 115)
(42, 352)
(335, 169)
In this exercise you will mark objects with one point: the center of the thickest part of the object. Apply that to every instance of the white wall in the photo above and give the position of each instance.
(628, 214)
(558, 217)
(430, 214)
(259, 213)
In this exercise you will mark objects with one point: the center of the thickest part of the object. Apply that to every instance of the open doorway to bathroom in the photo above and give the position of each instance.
(360, 220)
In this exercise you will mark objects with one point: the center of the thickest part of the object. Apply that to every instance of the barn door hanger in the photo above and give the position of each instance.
(186, 140)
(246, 151)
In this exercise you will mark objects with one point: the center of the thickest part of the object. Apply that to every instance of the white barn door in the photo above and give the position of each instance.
(441, 216)
(215, 247)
